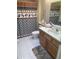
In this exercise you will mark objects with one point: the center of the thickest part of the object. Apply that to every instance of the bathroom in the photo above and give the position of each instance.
(38, 29)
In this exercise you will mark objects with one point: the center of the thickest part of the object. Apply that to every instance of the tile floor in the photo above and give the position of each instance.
(24, 47)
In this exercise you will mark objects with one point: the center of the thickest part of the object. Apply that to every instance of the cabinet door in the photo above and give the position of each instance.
(43, 42)
(52, 49)
(42, 39)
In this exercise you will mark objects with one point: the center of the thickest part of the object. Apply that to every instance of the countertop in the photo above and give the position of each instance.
(53, 34)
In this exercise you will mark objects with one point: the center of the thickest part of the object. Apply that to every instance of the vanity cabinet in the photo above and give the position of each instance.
(49, 43)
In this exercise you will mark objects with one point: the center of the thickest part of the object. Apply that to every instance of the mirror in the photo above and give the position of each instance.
(55, 13)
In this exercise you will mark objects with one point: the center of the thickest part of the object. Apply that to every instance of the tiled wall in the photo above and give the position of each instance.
(55, 17)
(26, 25)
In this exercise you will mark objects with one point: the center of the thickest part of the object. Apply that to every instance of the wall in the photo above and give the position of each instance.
(44, 9)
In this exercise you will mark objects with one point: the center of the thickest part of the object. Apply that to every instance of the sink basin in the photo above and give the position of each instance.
(54, 30)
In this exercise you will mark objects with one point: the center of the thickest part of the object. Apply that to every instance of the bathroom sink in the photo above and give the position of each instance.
(55, 30)
(52, 32)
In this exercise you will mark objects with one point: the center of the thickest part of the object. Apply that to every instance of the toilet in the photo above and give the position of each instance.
(35, 34)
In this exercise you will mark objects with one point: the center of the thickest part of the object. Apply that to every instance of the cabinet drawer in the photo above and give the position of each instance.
(52, 49)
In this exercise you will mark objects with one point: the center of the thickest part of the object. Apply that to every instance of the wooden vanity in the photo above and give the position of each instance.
(50, 44)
